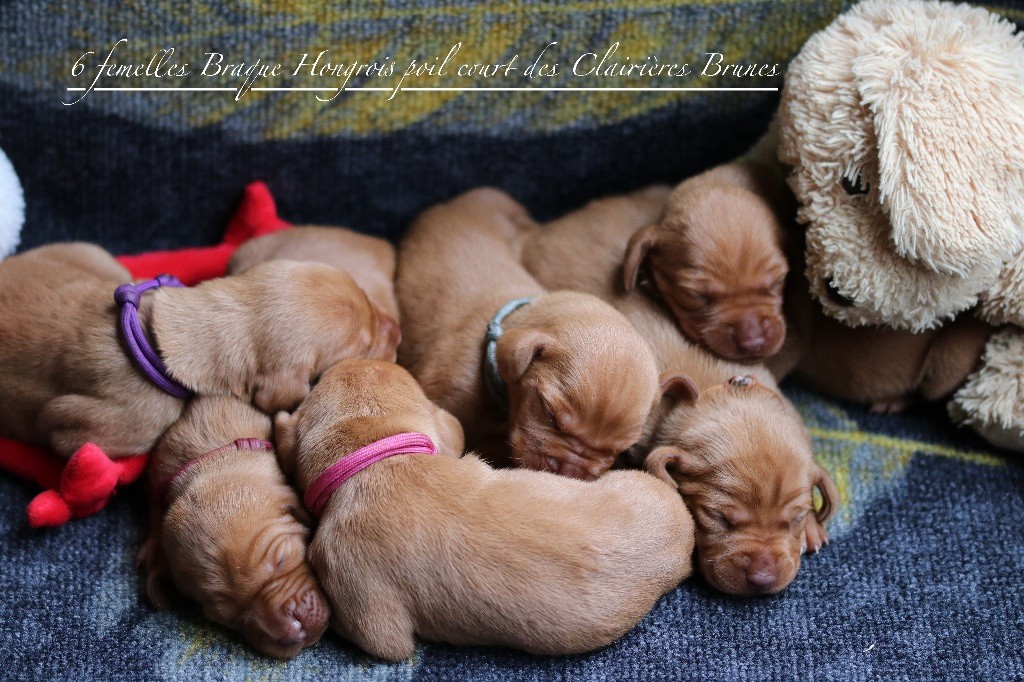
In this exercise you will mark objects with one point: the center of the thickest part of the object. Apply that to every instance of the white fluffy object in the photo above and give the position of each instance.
(12, 207)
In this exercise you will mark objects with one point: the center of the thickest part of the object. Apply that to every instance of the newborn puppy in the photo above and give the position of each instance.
(224, 526)
(369, 260)
(715, 258)
(738, 451)
(450, 550)
(742, 460)
(66, 377)
(578, 379)
(886, 369)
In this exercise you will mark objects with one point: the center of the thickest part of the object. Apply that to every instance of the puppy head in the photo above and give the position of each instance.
(572, 411)
(716, 261)
(354, 403)
(234, 535)
(369, 331)
(235, 544)
(742, 461)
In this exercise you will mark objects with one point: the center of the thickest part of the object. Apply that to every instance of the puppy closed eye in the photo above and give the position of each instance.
(799, 519)
(694, 300)
(716, 521)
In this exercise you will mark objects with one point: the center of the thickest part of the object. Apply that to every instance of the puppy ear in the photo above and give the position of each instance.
(451, 439)
(301, 514)
(670, 464)
(517, 348)
(640, 244)
(282, 390)
(677, 386)
(829, 494)
(286, 441)
(389, 331)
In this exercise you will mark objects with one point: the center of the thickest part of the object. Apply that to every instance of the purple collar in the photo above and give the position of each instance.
(146, 359)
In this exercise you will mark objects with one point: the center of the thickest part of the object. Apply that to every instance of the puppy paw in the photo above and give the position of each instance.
(893, 406)
(281, 391)
(815, 536)
(151, 561)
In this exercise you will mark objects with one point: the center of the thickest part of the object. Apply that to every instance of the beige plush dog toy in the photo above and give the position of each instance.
(903, 126)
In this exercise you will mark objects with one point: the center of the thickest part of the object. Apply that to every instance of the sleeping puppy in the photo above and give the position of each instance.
(715, 258)
(580, 380)
(736, 448)
(65, 373)
(449, 550)
(369, 260)
(886, 369)
(224, 526)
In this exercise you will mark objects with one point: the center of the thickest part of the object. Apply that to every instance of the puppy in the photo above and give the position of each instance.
(580, 380)
(369, 260)
(66, 377)
(886, 369)
(450, 550)
(736, 448)
(225, 527)
(716, 260)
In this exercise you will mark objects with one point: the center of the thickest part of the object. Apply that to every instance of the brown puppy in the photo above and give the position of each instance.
(224, 524)
(369, 260)
(715, 258)
(886, 369)
(450, 550)
(580, 380)
(739, 452)
(66, 378)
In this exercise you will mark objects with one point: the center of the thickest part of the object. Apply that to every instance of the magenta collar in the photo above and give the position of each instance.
(320, 490)
(238, 445)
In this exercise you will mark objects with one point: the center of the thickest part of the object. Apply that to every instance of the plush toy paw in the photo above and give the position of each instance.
(255, 216)
(992, 400)
(86, 484)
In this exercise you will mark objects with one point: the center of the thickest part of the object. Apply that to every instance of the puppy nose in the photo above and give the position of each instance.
(311, 614)
(293, 634)
(763, 579)
(749, 335)
(762, 573)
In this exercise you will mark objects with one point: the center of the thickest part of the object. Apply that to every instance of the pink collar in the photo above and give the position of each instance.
(240, 444)
(320, 491)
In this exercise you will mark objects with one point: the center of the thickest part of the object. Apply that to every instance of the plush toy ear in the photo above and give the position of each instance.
(517, 348)
(829, 494)
(640, 244)
(677, 386)
(945, 91)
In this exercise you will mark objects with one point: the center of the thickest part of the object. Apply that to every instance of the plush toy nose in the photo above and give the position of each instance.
(835, 296)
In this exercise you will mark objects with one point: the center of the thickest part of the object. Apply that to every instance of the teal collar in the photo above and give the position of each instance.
(495, 384)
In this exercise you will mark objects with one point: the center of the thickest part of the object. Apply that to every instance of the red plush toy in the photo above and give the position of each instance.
(83, 484)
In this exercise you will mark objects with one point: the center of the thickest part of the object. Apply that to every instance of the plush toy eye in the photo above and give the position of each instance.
(855, 186)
